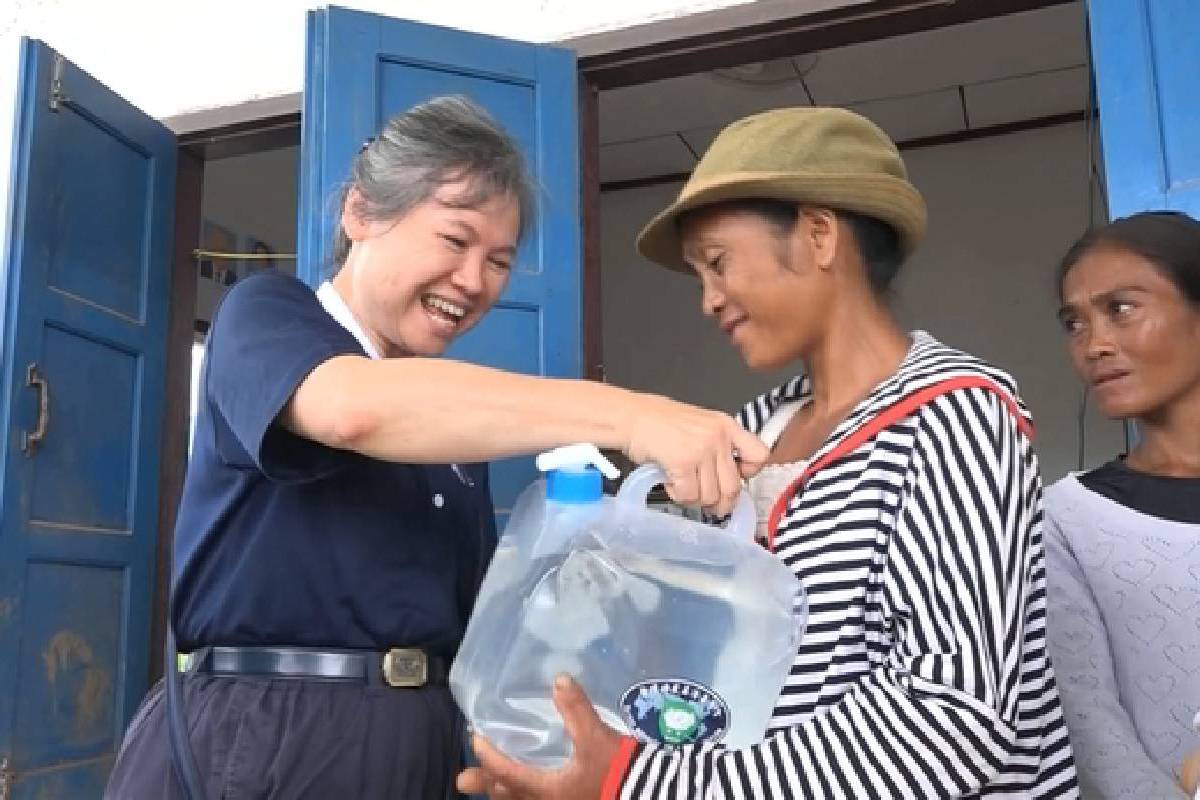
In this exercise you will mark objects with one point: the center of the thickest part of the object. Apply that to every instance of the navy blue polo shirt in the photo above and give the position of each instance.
(284, 541)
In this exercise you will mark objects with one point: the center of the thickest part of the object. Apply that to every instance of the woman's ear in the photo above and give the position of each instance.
(820, 228)
(354, 224)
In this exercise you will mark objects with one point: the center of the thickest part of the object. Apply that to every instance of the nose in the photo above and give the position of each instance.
(1099, 343)
(712, 299)
(469, 276)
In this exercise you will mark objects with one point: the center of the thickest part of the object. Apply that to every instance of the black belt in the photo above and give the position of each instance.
(400, 667)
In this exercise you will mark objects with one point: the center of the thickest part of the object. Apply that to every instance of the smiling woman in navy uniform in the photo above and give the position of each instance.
(336, 519)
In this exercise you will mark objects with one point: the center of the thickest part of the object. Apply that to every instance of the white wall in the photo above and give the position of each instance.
(173, 57)
(253, 195)
(1002, 211)
(256, 195)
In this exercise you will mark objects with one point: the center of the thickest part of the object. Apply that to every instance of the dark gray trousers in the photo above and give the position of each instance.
(287, 738)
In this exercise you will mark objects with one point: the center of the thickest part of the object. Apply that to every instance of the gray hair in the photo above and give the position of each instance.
(419, 150)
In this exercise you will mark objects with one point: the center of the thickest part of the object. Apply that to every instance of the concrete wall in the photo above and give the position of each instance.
(256, 195)
(170, 58)
(1002, 211)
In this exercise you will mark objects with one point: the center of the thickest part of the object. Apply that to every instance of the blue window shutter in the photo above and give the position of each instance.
(1146, 62)
(84, 348)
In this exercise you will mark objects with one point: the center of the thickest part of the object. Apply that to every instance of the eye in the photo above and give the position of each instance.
(455, 243)
(500, 264)
(1072, 325)
(1120, 308)
(716, 264)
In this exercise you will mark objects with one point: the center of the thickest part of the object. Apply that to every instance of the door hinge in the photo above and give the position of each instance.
(7, 779)
(57, 98)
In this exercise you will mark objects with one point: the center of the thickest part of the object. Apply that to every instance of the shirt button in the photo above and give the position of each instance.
(438, 501)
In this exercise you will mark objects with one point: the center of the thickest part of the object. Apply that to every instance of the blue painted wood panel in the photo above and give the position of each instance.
(85, 315)
(1147, 64)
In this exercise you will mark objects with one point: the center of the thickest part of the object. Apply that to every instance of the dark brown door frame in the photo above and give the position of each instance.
(589, 209)
(667, 59)
(804, 33)
(194, 150)
(189, 182)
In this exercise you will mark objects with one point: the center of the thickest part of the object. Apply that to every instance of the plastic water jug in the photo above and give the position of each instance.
(679, 632)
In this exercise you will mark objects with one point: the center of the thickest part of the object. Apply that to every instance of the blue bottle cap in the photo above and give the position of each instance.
(574, 486)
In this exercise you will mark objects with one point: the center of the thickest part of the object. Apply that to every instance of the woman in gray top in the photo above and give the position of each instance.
(1123, 541)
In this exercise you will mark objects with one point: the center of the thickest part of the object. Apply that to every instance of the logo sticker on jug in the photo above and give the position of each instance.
(675, 712)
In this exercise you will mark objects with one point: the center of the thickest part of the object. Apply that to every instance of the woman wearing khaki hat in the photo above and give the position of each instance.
(902, 489)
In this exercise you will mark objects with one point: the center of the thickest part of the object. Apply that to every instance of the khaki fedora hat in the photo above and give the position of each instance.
(826, 157)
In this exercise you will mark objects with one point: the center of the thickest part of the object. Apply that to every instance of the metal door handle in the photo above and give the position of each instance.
(30, 441)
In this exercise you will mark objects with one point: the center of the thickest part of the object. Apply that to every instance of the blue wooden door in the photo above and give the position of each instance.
(84, 343)
(361, 70)
(1146, 56)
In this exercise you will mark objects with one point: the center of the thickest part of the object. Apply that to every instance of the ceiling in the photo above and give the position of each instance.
(1002, 70)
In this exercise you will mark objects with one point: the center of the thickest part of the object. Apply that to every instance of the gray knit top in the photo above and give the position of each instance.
(1124, 637)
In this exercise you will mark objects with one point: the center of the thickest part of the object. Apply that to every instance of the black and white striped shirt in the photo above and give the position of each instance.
(923, 670)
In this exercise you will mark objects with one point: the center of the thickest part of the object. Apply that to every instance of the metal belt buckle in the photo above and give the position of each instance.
(405, 668)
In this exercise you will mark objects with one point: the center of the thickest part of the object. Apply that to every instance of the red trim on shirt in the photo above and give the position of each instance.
(885, 419)
(617, 769)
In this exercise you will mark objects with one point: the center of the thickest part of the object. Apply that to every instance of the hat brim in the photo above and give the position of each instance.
(884, 197)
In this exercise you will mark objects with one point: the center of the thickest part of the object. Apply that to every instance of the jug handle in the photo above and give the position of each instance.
(637, 487)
